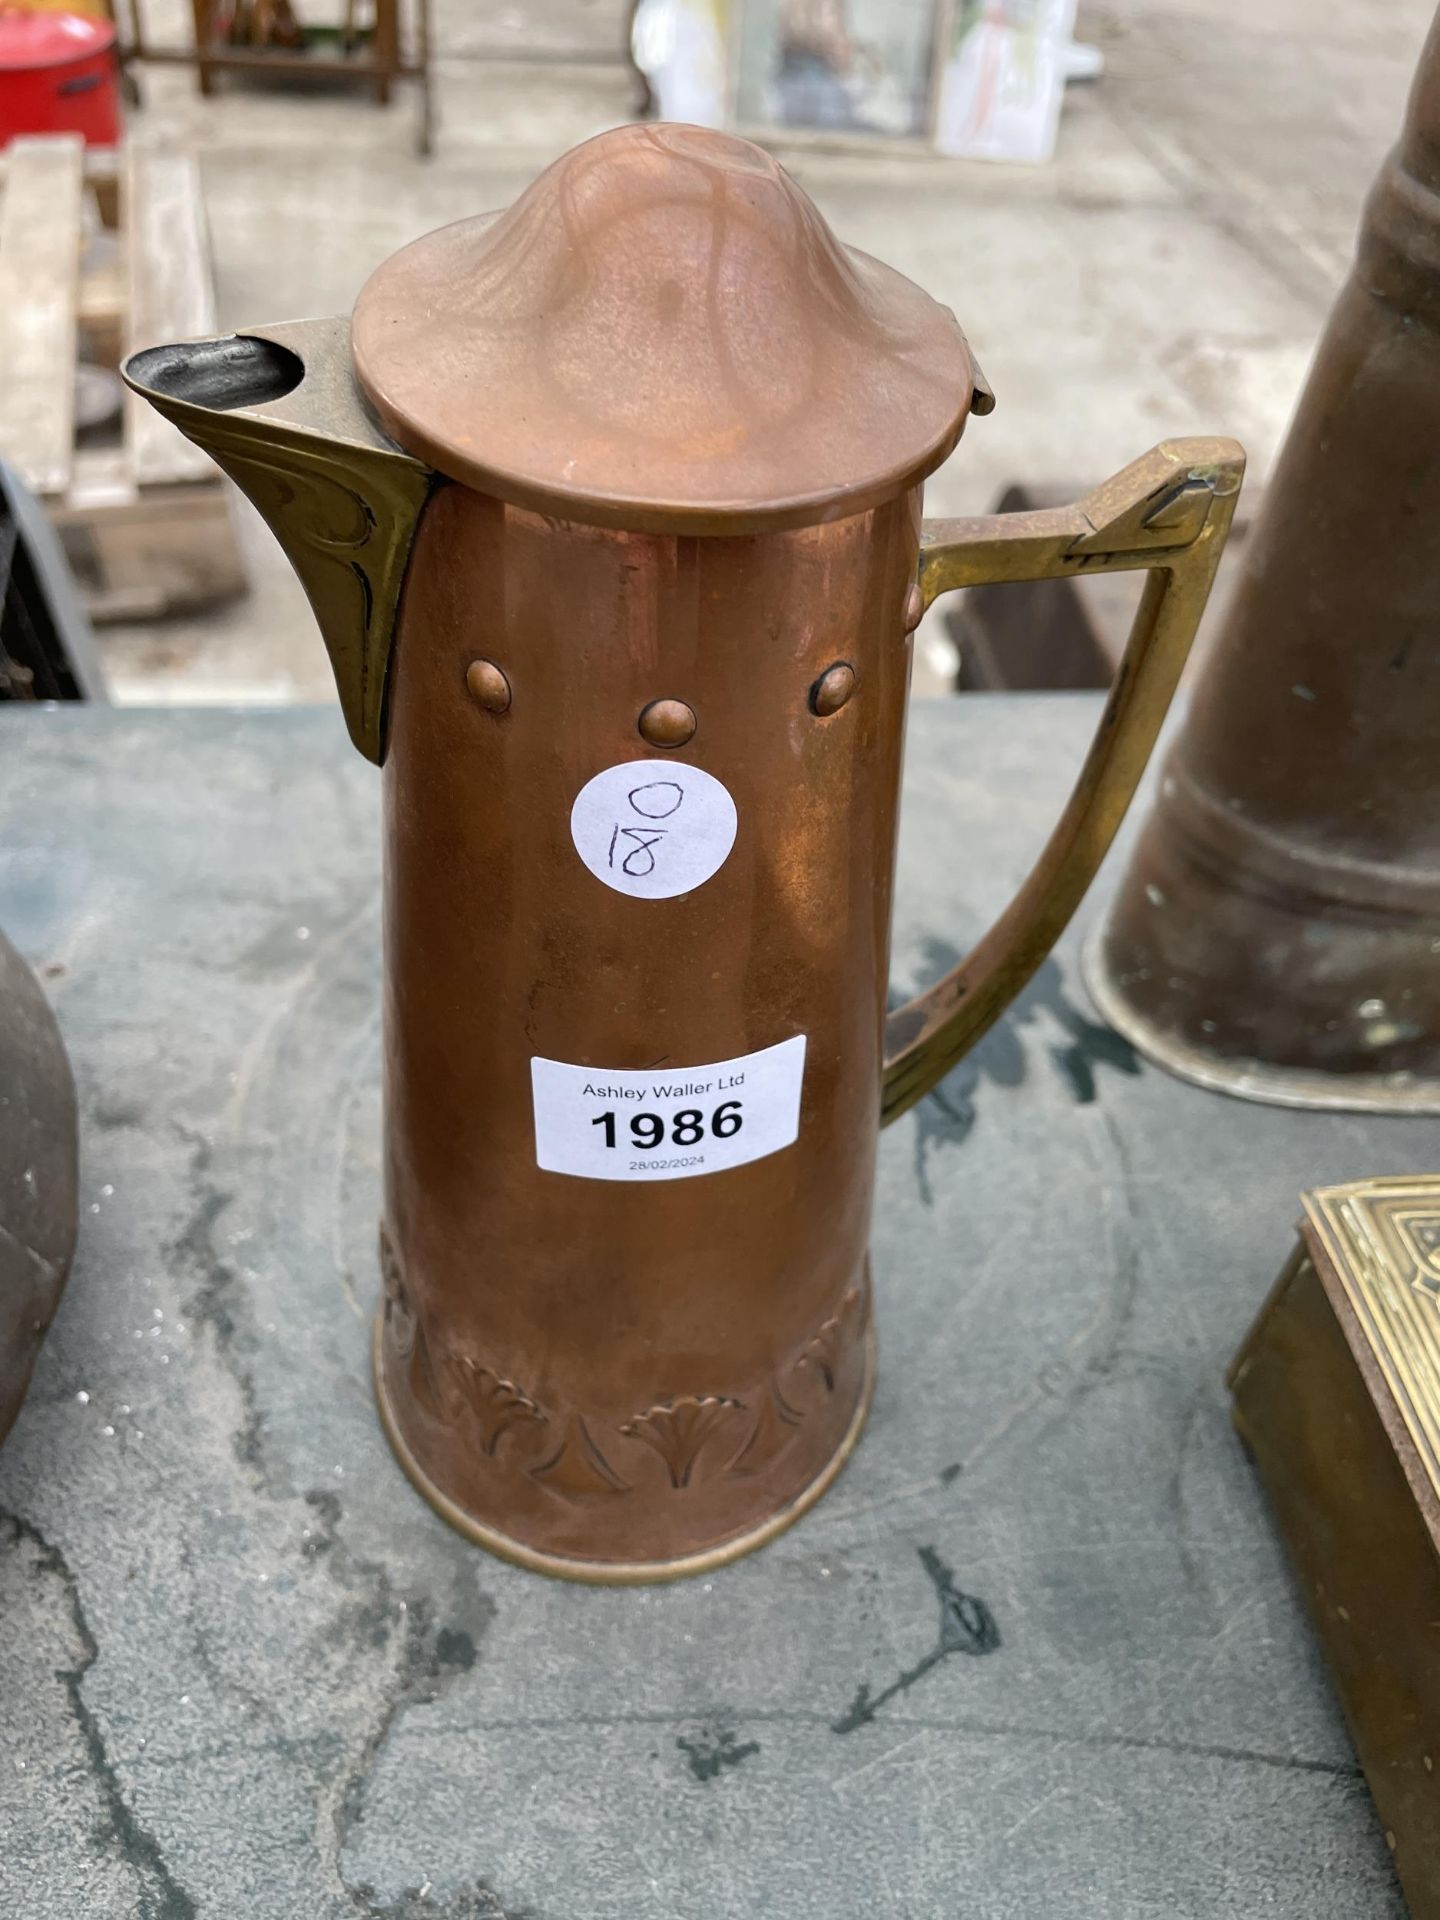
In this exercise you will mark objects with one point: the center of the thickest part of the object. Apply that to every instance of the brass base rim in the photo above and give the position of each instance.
(617, 1573)
(1255, 1080)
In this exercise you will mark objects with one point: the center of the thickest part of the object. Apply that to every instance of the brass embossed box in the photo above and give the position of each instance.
(1337, 1396)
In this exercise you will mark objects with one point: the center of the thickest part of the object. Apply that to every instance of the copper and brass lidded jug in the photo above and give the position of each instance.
(609, 510)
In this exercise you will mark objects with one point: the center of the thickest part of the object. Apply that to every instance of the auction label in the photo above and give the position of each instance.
(623, 1124)
(653, 828)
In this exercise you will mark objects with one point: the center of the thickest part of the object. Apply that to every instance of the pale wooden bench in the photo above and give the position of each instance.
(99, 255)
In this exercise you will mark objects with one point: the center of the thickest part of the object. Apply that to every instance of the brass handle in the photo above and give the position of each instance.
(1169, 512)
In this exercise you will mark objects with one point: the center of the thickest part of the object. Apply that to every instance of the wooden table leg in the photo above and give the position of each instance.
(426, 141)
(203, 9)
(385, 48)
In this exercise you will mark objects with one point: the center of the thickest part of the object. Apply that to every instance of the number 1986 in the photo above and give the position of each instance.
(686, 1127)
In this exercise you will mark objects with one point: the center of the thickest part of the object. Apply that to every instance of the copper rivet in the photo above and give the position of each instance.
(832, 689)
(488, 686)
(667, 723)
(914, 608)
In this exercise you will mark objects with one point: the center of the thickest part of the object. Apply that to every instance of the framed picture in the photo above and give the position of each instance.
(981, 79)
(1002, 78)
(850, 69)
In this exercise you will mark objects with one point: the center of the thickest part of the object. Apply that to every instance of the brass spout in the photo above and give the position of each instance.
(278, 409)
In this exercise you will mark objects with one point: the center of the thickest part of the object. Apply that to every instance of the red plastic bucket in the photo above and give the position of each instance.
(58, 75)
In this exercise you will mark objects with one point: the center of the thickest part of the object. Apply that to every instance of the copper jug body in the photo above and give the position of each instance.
(669, 1364)
(634, 654)
(1277, 935)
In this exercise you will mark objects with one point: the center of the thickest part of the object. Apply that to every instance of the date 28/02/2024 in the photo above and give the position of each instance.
(623, 1124)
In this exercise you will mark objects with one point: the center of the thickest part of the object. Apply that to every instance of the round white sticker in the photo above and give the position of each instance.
(653, 828)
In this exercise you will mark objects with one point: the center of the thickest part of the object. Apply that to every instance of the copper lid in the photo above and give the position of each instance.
(663, 334)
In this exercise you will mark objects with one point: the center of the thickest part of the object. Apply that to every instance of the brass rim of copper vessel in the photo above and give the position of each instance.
(1246, 1079)
(616, 1573)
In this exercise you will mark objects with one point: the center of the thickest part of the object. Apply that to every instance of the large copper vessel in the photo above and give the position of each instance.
(609, 508)
(1278, 931)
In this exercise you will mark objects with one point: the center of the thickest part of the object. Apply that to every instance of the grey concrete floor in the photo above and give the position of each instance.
(246, 1674)
(1167, 273)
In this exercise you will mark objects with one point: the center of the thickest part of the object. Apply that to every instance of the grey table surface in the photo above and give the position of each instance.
(244, 1671)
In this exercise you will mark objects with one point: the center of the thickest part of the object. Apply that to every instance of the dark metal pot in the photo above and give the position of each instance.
(39, 1191)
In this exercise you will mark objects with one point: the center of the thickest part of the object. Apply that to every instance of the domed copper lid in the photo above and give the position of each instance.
(662, 333)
